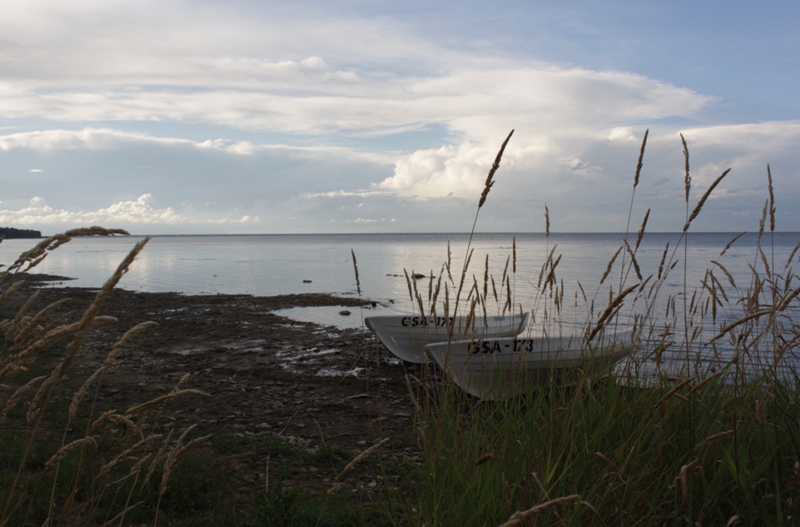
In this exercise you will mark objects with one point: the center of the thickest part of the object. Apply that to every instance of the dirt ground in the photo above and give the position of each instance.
(264, 373)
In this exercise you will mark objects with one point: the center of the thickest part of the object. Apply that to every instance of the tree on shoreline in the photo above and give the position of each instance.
(11, 232)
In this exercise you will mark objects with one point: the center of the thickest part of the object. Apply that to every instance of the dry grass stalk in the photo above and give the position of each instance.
(418, 297)
(363, 455)
(33, 327)
(163, 399)
(486, 278)
(513, 252)
(705, 381)
(546, 221)
(547, 261)
(674, 391)
(764, 261)
(66, 449)
(78, 396)
(408, 283)
(551, 275)
(763, 220)
(489, 183)
(14, 399)
(660, 351)
(87, 321)
(791, 256)
(10, 290)
(120, 517)
(703, 199)
(159, 457)
(684, 479)
(175, 448)
(449, 261)
(124, 455)
(739, 322)
(771, 201)
(610, 265)
(730, 243)
(633, 260)
(114, 417)
(135, 330)
(607, 314)
(640, 235)
(483, 459)
(175, 456)
(462, 280)
(507, 305)
(687, 179)
(714, 287)
(583, 293)
(640, 163)
(20, 316)
(436, 292)
(520, 516)
(787, 299)
(727, 273)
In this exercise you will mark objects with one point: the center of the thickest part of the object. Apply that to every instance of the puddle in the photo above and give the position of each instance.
(328, 316)
(331, 315)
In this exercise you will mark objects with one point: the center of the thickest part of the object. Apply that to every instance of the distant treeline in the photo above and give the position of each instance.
(11, 232)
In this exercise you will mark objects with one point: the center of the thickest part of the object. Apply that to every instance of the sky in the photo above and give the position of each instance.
(244, 116)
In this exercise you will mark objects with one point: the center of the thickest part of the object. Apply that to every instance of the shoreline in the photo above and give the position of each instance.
(264, 374)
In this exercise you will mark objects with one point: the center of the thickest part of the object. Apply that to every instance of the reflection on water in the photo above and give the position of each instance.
(286, 264)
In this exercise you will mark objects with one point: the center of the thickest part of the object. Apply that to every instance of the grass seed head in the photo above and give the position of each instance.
(489, 182)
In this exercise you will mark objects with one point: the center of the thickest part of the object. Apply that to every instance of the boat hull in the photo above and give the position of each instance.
(407, 336)
(498, 368)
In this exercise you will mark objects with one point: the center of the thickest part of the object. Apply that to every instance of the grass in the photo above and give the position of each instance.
(698, 443)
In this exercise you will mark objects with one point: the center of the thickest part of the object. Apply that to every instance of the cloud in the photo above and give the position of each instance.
(476, 102)
(136, 212)
(97, 139)
(288, 117)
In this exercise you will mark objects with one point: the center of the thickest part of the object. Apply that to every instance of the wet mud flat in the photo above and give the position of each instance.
(265, 375)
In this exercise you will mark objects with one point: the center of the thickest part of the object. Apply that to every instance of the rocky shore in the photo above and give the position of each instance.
(265, 374)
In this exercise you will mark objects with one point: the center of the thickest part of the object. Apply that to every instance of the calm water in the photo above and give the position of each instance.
(279, 264)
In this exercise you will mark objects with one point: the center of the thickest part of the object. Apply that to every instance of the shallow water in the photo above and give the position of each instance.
(268, 265)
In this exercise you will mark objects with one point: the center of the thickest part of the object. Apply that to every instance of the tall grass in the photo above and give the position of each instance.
(681, 434)
(65, 460)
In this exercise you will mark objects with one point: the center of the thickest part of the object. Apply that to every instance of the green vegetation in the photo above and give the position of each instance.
(694, 443)
(11, 232)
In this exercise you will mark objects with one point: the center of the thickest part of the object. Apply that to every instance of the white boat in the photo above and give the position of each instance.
(498, 368)
(407, 336)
